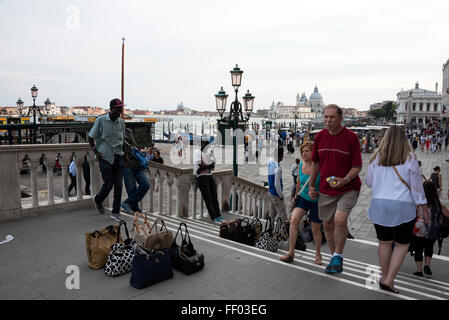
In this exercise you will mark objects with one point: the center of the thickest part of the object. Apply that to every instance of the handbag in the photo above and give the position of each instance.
(306, 233)
(257, 225)
(121, 256)
(149, 267)
(281, 234)
(267, 241)
(246, 233)
(184, 257)
(140, 231)
(161, 239)
(229, 229)
(98, 245)
(299, 244)
(295, 197)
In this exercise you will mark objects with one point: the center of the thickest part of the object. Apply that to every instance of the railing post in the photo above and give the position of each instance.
(64, 162)
(170, 181)
(151, 178)
(10, 206)
(183, 185)
(34, 164)
(225, 193)
(79, 176)
(51, 192)
(161, 180)
(194, 200)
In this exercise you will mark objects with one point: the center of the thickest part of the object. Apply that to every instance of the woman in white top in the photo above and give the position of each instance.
(395, 196)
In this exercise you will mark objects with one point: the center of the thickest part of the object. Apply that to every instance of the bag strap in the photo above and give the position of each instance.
(118, 231)
(136, 225)
(403, 181)
(155, 224)
(268, 224)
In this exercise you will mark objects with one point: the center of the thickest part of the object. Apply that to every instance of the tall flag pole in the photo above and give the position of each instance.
(123, 77)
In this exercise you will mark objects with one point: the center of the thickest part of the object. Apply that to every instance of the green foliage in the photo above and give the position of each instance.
(388, 111)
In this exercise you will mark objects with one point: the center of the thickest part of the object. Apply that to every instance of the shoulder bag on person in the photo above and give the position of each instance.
(121, 256)
(140, 157)
(98, 245)
(267, 241)
(184, 257)
(140, 232)
(158, 239)
(294, 198)
(149, 267)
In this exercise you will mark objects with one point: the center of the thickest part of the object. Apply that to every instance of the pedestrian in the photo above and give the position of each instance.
(337, 157)
(157, 157)
(437, 179)
(427, 144)
(423, 177)
(134, 176)
(203, 164)
(86, 175)
(275, 186)
(425, 230)
(180, 146)
(294, 170)
(305, 204)
(415, 144)
(72, 175)
(106, 140)
(446, 142)
(423, 142)
(394, 177)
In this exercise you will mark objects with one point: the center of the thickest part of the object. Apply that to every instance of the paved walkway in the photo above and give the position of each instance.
(34, 267)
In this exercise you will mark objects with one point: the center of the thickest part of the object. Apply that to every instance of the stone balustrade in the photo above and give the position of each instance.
(174, 189)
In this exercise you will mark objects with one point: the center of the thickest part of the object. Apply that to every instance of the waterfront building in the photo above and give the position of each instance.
(445, 92)
(425, 106)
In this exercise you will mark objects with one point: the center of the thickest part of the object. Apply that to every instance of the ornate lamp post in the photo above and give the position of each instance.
(236, 113)
(34, 108)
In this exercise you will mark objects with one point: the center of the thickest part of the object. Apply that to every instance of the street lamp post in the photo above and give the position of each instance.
(46, 110)
(236, 113)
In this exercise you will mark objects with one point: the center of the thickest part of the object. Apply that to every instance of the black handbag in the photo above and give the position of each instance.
(229, 230)
(184, 257)
(246, 233)
(150, 267)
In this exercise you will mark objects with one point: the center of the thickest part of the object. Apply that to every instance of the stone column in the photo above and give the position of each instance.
(194, 199)
(170, 181)
(183, 185)
(161, 191)
(34, 164)
(10, 164)
(79, 177)
(51, 192)
(225, 193)
(64, 162)
(151, 178)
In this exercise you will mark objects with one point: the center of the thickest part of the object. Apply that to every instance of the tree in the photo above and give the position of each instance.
(388, 111)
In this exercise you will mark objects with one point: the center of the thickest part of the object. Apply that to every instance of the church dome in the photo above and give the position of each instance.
(316, 95)
(303, 98)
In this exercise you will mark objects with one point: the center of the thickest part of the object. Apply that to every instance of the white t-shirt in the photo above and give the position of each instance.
(206, 157)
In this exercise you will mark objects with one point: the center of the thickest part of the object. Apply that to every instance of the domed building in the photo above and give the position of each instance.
(316, 101)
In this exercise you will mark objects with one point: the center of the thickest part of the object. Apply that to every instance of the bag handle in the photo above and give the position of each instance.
(403, 181)
(155, 225)
(145, 222)
(268, 224)
(118, 231)
(183, 238)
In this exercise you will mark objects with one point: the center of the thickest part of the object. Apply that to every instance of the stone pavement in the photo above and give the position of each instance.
(34, 267)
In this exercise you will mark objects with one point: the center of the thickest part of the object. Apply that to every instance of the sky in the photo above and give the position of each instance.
(356, 52)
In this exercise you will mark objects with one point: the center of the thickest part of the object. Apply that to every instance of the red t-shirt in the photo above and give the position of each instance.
(337, 155)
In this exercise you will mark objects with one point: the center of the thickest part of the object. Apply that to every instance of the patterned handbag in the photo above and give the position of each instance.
(121, 256)
(140, 231)
(267, 241)
(184, 257)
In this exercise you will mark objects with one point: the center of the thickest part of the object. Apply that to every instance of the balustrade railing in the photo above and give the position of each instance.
(174, 189)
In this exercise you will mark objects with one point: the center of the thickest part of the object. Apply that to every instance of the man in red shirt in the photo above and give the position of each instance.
(336, 155)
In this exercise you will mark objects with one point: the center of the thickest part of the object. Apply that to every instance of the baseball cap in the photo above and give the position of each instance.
(116, 103)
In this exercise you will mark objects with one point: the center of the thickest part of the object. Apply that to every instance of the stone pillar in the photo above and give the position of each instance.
(152, 178)
(51, 192)
(234, 198)
(183, 185)
(34, 164)
(225, 193)
(10, 164)
(64, 162)
(170, 181)
(79, 177)
(161, 191)
(194, 199)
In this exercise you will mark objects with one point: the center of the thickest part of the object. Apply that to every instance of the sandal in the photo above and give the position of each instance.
(387, 288)
(318, 261)
(287, 258)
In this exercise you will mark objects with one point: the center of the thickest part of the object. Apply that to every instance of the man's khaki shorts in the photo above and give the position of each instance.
(328, 205)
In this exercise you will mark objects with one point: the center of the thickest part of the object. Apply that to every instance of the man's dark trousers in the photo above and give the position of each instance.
(208, 189)
(112, 178)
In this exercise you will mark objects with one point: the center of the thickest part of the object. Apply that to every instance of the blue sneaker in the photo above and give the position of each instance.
(217, 221)
(330, 265)
(220, 218)
(338, 265)
(126, 208)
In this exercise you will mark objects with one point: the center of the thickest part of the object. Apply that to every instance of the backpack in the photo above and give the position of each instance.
(140, 157)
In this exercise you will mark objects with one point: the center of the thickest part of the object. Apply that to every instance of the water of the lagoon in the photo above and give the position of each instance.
(197, 124)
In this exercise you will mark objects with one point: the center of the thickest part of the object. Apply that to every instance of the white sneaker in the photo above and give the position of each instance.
(116, 217)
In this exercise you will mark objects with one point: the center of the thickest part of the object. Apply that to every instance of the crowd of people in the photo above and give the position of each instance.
(405, 206)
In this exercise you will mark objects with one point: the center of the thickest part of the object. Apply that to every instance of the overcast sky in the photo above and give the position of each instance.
(356, 52)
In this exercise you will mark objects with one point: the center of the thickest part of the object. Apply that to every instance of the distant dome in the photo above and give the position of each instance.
(303, 98)
(316, 95)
